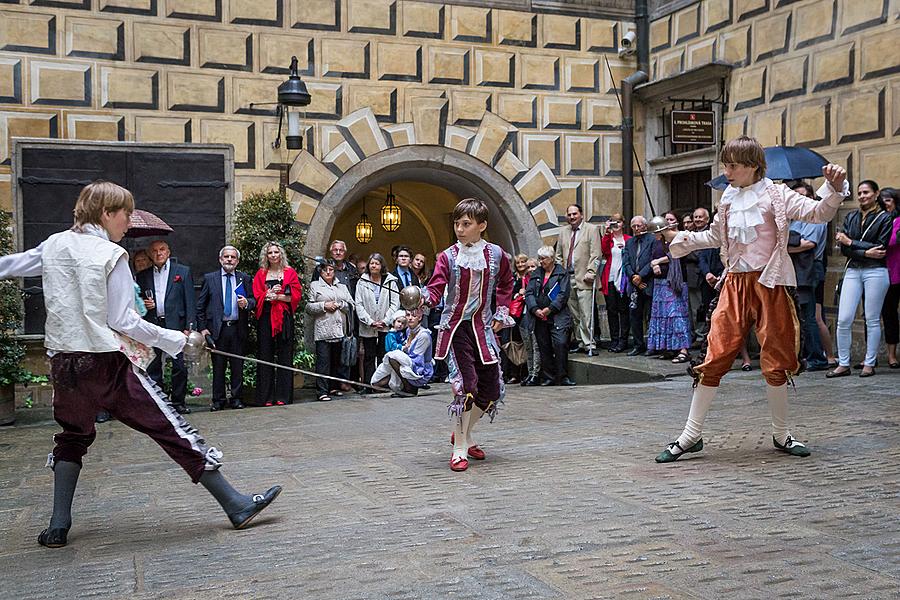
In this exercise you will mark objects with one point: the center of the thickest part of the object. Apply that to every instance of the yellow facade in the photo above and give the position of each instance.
(529, 93)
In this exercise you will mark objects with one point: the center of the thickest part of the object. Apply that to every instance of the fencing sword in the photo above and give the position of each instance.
(196, 343)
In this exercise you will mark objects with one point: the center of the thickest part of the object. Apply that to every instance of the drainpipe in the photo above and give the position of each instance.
(642, 23)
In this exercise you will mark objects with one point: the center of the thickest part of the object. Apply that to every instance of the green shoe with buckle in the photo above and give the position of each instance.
(791, 446)
(667, 456)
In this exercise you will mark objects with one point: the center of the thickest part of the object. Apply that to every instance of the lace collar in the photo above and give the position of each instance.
(744, 212)
(471, 256)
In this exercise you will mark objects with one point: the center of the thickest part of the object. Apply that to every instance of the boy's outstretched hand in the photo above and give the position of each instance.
(835, 175)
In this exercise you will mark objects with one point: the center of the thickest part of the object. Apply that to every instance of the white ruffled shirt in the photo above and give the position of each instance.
(471, 257)
(745, 212)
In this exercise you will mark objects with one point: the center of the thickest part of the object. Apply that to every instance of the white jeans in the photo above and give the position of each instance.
(874, 282)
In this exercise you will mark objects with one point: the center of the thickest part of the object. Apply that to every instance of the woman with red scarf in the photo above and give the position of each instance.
(277, 290)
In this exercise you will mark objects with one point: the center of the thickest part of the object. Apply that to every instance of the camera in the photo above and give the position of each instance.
(627, 44)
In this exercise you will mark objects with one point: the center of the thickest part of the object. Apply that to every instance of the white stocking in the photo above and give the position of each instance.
(459, 437)
(778, 404)
(693, 428)
(471, 418)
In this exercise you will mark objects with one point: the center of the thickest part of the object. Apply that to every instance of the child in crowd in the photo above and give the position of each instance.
(409, 367)
(397, 335)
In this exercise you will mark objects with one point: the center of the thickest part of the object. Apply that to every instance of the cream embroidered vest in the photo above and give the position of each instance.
(74, 270)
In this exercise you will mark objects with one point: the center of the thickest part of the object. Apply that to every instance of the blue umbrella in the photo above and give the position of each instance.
(785, 162)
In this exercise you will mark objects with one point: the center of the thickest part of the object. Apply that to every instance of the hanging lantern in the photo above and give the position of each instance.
(364, 227)
(292, 94)
(390, 212)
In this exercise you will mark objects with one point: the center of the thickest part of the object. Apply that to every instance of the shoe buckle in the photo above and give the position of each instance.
(258, 497)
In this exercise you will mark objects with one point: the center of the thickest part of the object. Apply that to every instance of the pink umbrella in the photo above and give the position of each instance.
(146, 224)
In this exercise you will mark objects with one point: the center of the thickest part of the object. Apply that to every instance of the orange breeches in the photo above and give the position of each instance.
(743, 302)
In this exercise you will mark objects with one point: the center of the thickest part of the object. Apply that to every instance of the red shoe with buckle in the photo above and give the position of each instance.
(268, 404)
(475, 452)
(279, 403)
(458, 464)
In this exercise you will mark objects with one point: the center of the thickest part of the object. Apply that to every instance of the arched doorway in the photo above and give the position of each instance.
(510, 224)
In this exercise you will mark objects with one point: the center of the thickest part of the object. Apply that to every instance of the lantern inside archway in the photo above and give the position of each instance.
(390, 212)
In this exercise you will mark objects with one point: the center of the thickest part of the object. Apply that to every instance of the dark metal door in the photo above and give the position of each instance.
(689, 190)
(187, 190)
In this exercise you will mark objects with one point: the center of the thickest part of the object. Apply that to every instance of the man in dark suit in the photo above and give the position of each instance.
(636, 259)
(402, 271)
(168, 292)
(223, 312)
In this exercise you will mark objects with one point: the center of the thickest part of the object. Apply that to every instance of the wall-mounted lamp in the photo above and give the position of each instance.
(292, 94)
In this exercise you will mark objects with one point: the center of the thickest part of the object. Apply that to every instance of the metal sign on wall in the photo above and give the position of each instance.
(693, 127)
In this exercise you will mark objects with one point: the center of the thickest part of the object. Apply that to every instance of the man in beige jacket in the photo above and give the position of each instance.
(578, 251)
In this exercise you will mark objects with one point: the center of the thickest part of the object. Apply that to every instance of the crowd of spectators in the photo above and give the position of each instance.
(661, 303)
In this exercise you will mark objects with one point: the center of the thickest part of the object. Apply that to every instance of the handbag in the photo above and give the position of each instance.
(517, 306)
(515, 352)
(349, 346)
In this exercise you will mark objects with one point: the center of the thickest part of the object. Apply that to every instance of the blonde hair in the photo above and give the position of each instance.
(745, 151)
(264, 260)
(101, 197)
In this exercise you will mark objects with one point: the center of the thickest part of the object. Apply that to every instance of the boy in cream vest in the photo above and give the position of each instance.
(99, 347)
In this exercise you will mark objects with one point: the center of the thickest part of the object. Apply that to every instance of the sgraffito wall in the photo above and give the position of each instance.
(824, 74)
(527, 91)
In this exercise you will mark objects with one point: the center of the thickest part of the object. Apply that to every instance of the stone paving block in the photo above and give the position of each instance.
(30, 32)
(360, 520)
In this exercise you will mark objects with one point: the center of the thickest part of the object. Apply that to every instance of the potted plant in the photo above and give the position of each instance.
(12, 351)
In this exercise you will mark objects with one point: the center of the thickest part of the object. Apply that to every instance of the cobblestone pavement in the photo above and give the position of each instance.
(569, 503)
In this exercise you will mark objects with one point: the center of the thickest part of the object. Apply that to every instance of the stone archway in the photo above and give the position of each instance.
(358, 154)
(511, 223)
